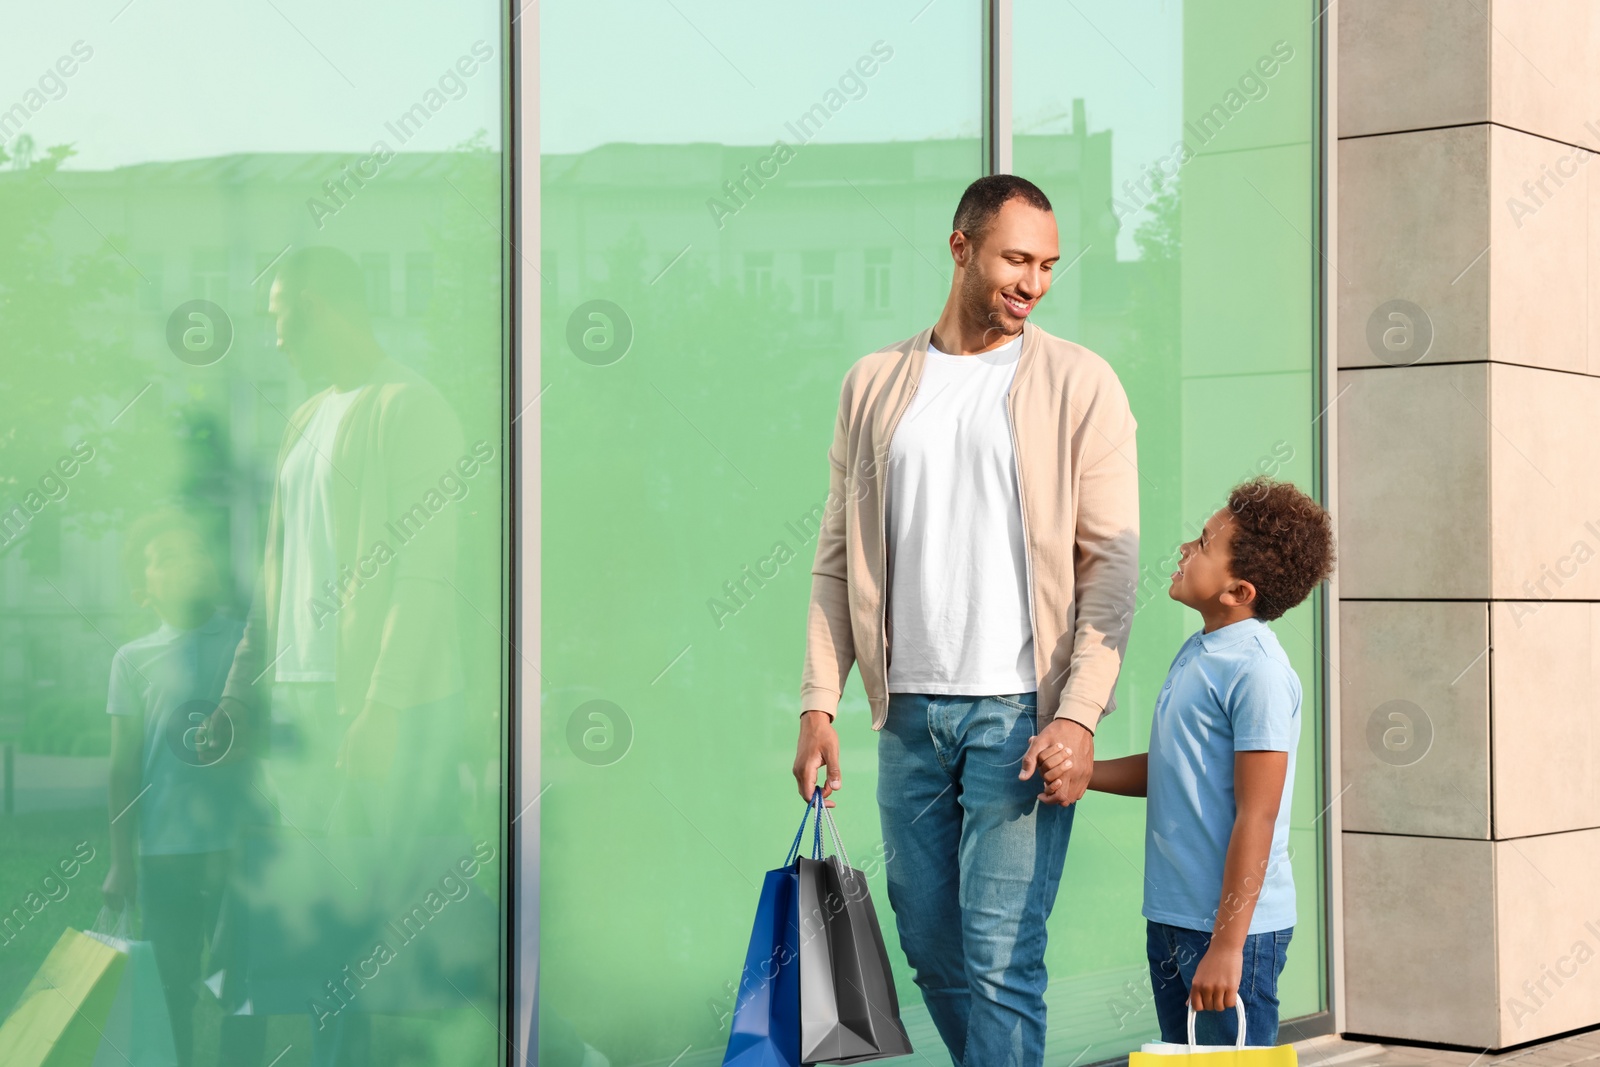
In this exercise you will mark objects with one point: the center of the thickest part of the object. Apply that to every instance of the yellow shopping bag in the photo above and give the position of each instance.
(1163, 1054)
(60, 1016)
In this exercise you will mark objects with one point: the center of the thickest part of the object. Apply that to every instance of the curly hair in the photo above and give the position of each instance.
(1282, 543)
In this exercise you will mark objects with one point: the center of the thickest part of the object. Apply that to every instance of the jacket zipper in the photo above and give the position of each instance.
(883, 511)
(1027, 554)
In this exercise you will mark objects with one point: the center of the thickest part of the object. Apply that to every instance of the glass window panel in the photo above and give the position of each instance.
(715, 175)
(1182, 176)
(251, 525)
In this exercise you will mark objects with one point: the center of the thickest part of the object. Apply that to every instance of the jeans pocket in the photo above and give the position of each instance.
(1019, 701)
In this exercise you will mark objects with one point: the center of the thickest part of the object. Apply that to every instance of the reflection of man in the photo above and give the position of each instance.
(352, 643)
(980, 566)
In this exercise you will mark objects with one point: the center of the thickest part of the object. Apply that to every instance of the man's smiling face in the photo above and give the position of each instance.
(1008, 271)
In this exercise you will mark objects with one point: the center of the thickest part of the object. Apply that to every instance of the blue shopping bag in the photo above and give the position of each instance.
(766, 1015)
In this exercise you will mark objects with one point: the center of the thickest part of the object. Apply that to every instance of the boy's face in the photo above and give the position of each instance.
(1204, 578)
(178, 572)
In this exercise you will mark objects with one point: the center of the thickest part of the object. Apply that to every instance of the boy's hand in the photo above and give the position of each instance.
(1076, 753)
(1216, 980)
(121, 887)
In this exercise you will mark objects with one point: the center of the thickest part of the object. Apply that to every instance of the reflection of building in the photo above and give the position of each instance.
(744, 322)
(211, 229)
(845, 283)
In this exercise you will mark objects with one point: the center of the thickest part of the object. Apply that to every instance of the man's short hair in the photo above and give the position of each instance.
(1282, 543)
(329, 273)
(984, 198)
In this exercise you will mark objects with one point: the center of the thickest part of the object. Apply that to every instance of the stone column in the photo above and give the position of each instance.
(1469, 488)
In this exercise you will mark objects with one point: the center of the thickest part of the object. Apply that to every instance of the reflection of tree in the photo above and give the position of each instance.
(71, 376)
(464, 328)
(65, 369)
(1157, 237)
(1156, 374)
(1154, 292)
(464, 311)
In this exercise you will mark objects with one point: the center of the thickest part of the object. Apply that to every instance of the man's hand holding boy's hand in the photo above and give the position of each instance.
(1065, 750)
(1216, 979)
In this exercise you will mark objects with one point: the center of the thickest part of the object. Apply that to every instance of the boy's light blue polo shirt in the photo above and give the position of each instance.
(1231, 690)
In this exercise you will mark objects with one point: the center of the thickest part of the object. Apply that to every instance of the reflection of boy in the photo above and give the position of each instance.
(1219, 893)
(175, 809)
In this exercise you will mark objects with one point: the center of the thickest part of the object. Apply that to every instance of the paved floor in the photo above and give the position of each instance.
(1334, 1051)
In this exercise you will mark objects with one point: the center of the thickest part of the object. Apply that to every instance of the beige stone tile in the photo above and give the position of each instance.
(1414, 226)
(1414, 700)
(1408, 65)
(1592, 269)
(1419, 939)
(1544, 494)
(1546, 716)
(1538, 258)
(1545, 56)
(1414, 482)
(1549, 933)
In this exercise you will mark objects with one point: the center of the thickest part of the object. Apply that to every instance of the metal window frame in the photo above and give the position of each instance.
(996, 86)
(1325, 182)
(997, 159)
(520, 1008)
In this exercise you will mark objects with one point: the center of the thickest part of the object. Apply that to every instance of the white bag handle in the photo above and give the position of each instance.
(116, 924)
(833, 832)
(1238, 1007)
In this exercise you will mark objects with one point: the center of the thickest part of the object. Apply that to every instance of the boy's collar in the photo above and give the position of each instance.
(168, 632)
(1231, 634)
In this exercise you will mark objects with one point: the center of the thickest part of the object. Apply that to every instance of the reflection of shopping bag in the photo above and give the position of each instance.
(1165, 1054)
(57, 1021)
(849, 1012)
(765, 1031)
(138, 1030)
(368, 924)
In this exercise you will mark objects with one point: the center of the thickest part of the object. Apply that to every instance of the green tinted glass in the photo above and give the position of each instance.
(1176, 143)
(733, 211)
(250, 551)
(736, 204)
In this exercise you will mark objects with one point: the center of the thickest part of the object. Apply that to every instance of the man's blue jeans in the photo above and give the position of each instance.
(1174, 954)
(973, 861)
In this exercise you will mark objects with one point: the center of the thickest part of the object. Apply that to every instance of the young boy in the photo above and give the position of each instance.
(1219, 893)
(176, 803)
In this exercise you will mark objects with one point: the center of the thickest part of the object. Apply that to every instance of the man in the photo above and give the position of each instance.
(978, 559)
(348, 677)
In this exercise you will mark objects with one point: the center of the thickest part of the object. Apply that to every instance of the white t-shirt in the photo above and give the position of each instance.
(958, 581)
(307, 611)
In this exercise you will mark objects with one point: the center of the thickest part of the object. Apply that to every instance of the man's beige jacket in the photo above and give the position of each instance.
(1078, 478)
(397, 642)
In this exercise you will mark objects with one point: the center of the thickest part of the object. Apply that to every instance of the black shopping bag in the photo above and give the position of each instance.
(849, 1012)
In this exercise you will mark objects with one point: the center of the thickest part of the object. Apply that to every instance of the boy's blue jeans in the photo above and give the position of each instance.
(1174, 954)
(973, 861)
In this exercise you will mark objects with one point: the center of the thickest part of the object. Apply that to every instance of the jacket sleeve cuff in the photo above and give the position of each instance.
(1080, 710)
(816, 698)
